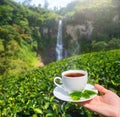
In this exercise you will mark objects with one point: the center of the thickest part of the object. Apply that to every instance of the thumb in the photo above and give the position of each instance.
(101, 89)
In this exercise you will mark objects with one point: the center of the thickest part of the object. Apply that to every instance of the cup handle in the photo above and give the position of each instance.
(58, 78)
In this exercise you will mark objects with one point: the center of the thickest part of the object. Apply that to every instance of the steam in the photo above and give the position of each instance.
(75, 51)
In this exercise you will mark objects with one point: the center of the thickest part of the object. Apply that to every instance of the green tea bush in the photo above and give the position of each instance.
(31, 94)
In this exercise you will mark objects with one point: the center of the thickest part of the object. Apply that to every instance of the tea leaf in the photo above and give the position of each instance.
(85, 95)
(37, 110)
(90, 92)
(76, 95)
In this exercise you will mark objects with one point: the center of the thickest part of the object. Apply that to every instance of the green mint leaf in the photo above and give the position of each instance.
(76, 95)
(85, 94)
(90, 92)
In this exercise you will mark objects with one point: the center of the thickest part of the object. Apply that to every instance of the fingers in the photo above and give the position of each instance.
(85, 103)
(101, 89)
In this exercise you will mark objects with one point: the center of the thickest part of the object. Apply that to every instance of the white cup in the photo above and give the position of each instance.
(76, 82)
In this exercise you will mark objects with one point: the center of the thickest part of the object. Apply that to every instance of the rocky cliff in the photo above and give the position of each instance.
(93, 21)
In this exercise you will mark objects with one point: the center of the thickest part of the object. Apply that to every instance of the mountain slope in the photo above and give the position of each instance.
(21, 36)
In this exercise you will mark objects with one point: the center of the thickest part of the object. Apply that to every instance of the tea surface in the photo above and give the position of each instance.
(74, 75)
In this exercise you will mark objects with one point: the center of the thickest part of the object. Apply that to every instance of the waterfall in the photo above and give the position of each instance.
(59, 45)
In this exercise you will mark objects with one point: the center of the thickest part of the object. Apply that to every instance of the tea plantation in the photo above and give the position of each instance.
(31, 94)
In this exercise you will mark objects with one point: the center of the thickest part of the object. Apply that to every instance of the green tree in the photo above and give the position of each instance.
(1, 48)
(114, 44)
(5, 14)
(98, 46)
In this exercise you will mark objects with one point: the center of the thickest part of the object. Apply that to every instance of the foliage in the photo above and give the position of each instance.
(105, 45)
(94, 24)
(101, 45)
(77, 95)
(114, 43)
(20, 35)
(13, 52)
(78, 6)
(5, 14)
(31, 94)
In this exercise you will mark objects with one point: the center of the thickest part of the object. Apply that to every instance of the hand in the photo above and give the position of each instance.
(108, 104)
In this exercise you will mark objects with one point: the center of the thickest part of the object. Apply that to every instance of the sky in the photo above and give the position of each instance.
(52, 3)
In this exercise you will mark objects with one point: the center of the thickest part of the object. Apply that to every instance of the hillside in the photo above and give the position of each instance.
(31, 94)
(21, 36)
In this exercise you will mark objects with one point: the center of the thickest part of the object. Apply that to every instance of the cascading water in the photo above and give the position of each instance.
(59, 45)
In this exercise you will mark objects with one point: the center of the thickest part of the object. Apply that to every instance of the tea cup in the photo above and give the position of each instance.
(72, 80)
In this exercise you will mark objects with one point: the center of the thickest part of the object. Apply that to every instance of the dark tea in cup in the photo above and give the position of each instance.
(74, 75)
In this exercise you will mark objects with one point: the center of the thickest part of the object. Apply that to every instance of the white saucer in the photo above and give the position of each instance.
(63, 95)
